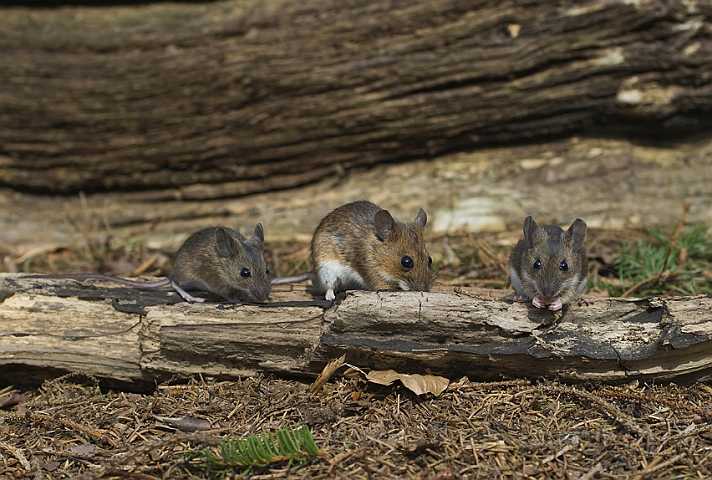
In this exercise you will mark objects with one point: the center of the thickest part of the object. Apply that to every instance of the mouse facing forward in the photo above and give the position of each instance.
(549, 265)
(360, 246)
(217, 260)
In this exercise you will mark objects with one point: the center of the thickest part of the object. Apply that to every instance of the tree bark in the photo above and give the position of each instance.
(230, 98)
(133, 339)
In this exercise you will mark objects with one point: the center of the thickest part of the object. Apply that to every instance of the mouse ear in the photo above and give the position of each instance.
(576, 233)
(383, 224)
(258, 237)
(531, 229)
(421, 219)
(225, 244)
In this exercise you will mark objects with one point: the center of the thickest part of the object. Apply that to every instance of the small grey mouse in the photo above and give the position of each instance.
(360, 246)
(549, 265)
(217, 260)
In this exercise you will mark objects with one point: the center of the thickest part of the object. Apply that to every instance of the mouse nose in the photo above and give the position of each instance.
(419, 285)
(261, 294)
(549, 291)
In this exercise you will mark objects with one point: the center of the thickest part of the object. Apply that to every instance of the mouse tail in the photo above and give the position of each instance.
(303, 277)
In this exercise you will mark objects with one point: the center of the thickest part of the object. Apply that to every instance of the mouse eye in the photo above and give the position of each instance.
(537, 265)
(245, 272)
(563, 266)
(430, 260)
(407, 262)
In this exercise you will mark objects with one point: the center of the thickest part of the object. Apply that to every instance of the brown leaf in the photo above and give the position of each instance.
(12, 399)
(326, 374)
(51, 466)
(418, 384)
(85, 449)
(420, 446)
(186, 424)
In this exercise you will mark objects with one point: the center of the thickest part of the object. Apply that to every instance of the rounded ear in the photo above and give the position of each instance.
(421, 219)
(531, 229)
(225, 244)
(576, 233)
(258, 237)
(383, 224)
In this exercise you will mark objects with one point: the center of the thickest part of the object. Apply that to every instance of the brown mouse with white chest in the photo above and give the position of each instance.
(548, 266)
(361, 246)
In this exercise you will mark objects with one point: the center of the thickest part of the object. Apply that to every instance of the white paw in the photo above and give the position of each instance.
(538, 302)
(556, 305)
(330, 295)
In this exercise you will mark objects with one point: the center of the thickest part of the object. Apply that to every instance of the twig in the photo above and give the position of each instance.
(683, 218)
(654, 466)
(17, 453)
(343, 456)
(178, 437)
(650, 279)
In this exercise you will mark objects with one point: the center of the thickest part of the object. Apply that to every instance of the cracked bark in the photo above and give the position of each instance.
(223, 99)
(133, 339)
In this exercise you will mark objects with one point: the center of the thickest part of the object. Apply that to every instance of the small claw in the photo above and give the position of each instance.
(330, 295)
(586, 301)
(538, 302)
(185, 295)
(521, 298)
(556, 305)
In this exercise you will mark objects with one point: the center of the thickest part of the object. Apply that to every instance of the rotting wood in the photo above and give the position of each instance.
(222, 99)
(134, 339)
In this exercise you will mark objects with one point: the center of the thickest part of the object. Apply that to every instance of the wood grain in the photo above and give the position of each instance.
(218, 100)
(134, 339)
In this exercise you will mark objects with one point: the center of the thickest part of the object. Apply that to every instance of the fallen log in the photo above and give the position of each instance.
(221, 99)
(134, 339)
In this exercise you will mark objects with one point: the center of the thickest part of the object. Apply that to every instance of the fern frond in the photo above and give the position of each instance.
(284, 444)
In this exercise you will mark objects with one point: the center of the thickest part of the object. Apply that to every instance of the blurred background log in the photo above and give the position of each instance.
(206, 101)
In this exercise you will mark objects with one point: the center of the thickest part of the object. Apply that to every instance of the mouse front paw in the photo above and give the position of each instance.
(330, 295)
(586, 301)
(556, 305)
(538, 302)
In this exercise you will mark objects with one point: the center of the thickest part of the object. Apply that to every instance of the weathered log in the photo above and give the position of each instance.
(134, 339)
(229, 98)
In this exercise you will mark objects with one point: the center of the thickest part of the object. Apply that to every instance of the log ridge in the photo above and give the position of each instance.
(133, 339)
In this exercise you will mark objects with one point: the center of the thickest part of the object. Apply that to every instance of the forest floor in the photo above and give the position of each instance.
(71, 427)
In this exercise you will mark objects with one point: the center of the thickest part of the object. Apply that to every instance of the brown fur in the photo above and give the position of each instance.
(551, 245)
(211, 260)
(363, 237)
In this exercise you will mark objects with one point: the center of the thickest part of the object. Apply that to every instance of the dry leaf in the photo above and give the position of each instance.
(326, 373)
(12, 399)
(85, 449)
(420, 446)
(51, 466)
(418, 384)
(186, 424)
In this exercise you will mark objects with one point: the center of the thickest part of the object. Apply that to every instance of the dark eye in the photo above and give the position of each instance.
(430, 260)
(564, 267)
(537, 265)
(407, 262)
(245, 272)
